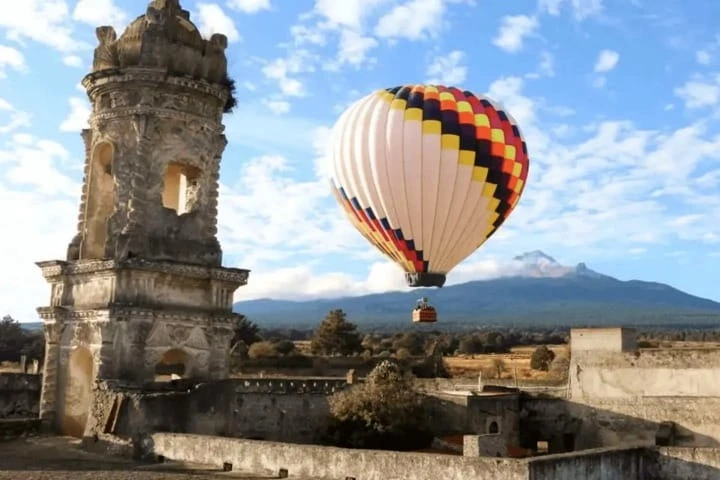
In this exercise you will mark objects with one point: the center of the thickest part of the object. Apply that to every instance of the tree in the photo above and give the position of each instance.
(284, 347)
(15, 341)
(541, 358)
(402, 353)
(245, 333)
(413, 342)
(470, 344)
(336, 335)
(384, 412)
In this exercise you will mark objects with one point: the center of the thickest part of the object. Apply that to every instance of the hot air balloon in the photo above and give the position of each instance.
(427, 173)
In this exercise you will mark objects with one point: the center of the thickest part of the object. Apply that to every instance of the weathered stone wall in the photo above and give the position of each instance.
(19, 395)
(332, 463)
(683, 463)
(598, 464)
(623, 397)
(289, 410)
(451, 414)
(603, 339)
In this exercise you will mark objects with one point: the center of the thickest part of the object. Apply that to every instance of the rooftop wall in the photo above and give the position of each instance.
(603, 339)
(290, 410)
(268, 458)
(678, 463)
(624, 396)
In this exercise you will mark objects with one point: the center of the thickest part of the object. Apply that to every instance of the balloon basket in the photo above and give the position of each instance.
(424, 315)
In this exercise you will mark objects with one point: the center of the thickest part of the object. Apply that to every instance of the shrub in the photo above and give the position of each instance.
(262, 350)
(541, 358)
(284, 347)
(384, 412)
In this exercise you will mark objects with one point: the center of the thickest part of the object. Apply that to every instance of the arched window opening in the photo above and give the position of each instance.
(99, 204)
(172, 366)
(180, 187)
(493, 427)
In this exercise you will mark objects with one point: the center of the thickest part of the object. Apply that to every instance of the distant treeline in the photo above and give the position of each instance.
(495, 339)
(16, 341)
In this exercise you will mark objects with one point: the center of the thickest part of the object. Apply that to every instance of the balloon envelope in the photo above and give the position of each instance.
(427, 174)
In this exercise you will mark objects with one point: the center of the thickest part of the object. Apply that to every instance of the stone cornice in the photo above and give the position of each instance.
(116, 78)
(55, 268)
(181, 316)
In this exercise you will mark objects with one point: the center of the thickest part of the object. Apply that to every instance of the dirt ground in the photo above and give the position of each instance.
(60, 458)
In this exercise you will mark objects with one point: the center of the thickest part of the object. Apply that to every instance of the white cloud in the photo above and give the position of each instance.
(11, 58)
(513, 31)
(249, 6)
(412, 20)
(347, 13)
(280, 70)
(547, 64)
(44, 201)
(99, 12)
(700, 92)
(11, 118)
(354, 47)
(302, 34)
(599, 82)
(606, 61)
(546, 67)
(703, 57)
(278, 106)
(302, 283)
(73, 61)
(43, 21)
(302, 227)
(212, 19)
(581, 9)
(77, 118)
(448, 69)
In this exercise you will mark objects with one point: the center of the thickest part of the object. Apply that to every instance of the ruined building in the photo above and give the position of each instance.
(142, 283)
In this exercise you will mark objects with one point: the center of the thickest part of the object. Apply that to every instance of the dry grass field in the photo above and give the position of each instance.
(516, 362)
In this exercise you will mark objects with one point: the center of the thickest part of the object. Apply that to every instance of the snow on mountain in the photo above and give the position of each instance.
(539, 264)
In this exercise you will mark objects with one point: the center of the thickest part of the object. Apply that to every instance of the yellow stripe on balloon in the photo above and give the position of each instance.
(450, 142)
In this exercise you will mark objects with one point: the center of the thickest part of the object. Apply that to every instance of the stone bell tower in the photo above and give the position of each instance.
(143, 282)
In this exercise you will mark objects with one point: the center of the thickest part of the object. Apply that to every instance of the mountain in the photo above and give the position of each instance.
(533, 289)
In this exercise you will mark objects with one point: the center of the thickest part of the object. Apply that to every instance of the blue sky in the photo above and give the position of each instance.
(619, 102)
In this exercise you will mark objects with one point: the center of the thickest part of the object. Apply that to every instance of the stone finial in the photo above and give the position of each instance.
(163, 38)
(105, 34)
(166, 5)
(218, 42)
(105, 56)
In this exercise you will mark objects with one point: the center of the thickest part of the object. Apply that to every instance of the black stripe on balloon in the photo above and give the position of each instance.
(416, 99)
(403, 93)
(467, 137)
(431, 109)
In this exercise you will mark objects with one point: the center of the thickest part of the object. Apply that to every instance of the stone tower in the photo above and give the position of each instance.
(143, 284)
